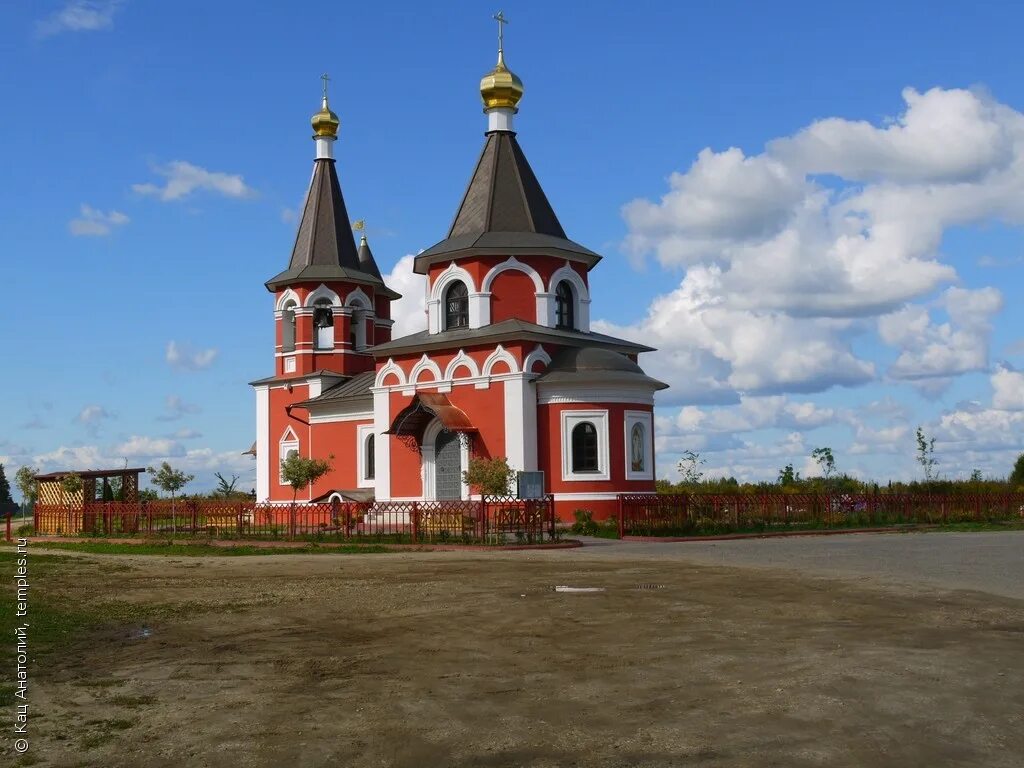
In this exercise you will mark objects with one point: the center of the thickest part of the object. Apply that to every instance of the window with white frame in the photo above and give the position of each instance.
(288, 327)
(585, 445)
(639, 442)
(288, 446)
(366, 462)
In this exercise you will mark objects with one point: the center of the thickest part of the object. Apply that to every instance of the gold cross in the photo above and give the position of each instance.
(502, 21)
(325, 78)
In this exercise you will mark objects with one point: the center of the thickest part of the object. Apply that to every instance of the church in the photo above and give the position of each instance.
(507, 366)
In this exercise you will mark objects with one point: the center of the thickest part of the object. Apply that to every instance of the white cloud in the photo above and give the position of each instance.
(1008, 389)
(408, 312)
(184, 358)
(79, 16)
(141, 447)
(187, 434)
(789, 252)
(752, 413)
(176, 408)
(184, 178)
(95, 223)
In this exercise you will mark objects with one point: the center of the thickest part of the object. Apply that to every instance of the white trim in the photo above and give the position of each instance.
(390, 367)
(289, 362)
(581, 296)
(284, 447)
(337, 418)
(512, 263)
(521, 424)
(427, 464)
(284, 298)
(500, 354)
(435, 300)
(461, 360)
(568, 395)
(570, 419)
(357, 296)
(363, 433)
(322, 292)
(263, 456)
(538, 353)
(382, 445)
(425, 364)
(645, 420)
(586, 496)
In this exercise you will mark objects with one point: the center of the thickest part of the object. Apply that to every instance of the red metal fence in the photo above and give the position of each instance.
(491, 519)
(684, 514)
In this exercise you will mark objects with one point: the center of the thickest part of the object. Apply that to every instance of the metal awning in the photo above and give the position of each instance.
(424, 408)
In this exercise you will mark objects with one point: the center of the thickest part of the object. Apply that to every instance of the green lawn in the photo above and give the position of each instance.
(202, 549)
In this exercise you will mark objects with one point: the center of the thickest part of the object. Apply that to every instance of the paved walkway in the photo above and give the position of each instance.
(985, 562)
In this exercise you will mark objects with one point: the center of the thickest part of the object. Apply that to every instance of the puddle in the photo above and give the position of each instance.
(143, 633)
(564, 588)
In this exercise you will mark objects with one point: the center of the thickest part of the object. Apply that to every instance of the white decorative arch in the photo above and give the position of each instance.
(500, 354)
(450, 275)
(284, 298)
(323, 292)
(289, 436)
(461, 360)
(428, 459)
(513, 263)
(358, 298)
(581, 295)
(391, 367)
(538, 353)
(435, 298)
(425, 364)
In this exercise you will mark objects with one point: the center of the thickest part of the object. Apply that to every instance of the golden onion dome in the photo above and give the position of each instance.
(501, 87)
(325, 122)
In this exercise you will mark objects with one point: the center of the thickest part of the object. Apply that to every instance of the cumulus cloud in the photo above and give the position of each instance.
(183, 357)
(79, 16)
(95, 223)
(142, 447)
(1007, 389)
(184, 178)
(826, 236)
(408, 312)
(176, 408)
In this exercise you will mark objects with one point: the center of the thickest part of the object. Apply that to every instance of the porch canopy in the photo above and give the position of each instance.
(412, 421)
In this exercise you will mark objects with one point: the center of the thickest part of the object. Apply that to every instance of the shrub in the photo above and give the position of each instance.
(585, 525)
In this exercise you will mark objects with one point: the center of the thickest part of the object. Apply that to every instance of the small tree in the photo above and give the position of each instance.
(5, 488)
(690, 467)
(169, 480)
(225, 488)
(25, 479)
(826, 461)
(788, 477)
(71, 485)
(1017, 475)
(926, 454)
(299, 472)
(493, 477)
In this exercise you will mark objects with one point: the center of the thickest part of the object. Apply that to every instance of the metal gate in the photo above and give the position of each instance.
(448, 466)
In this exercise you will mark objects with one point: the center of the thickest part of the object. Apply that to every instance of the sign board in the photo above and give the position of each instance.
(530, 485)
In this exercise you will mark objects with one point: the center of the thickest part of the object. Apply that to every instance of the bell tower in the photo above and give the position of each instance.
(331, 304)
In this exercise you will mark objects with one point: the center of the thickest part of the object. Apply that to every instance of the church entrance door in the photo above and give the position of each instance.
(447, 466)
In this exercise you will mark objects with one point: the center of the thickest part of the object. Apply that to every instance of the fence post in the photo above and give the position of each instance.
(622, 518)
(828, 509)
(551, 516)
(483, 509)
(415, 522)
(291, 521)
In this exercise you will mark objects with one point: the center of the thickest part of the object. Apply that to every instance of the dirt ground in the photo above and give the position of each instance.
(471, 659)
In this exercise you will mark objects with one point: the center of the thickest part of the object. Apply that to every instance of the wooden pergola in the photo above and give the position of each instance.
(52, 493)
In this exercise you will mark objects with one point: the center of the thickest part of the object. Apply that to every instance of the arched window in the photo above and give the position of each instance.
(565, 309)
(637, 449)
(288, 327)
(584, 448)
(456, 306)
(368, 459)
(323, 324)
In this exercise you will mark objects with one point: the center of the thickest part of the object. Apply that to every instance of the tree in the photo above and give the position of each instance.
(225, 488)
(298, 472)
(25, 479)
(5, 488)
(926, 454)
(690, 467)
(492, 476)
(71, 485)
(169, 480)
(1017, 476)
(826, 461)
(788, 477)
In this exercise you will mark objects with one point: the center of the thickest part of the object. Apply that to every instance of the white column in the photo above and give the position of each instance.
(382, 444)
(546, 309)
(521, 424)
(500, 119)
(324, 147)
(264, 460)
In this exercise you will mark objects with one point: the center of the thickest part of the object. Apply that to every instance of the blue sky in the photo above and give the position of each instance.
(837, 259)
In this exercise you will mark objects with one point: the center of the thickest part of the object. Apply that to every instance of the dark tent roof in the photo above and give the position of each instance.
(505, 212)
(355, 389)
(597, 364)
(324, 246)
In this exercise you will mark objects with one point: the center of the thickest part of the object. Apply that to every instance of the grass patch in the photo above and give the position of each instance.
(133, 702)
(706, 527)
(201, 549)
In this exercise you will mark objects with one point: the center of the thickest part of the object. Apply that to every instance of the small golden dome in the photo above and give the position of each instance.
(501, 87)
(325, 122)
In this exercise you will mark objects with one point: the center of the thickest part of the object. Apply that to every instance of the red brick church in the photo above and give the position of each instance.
(508, 365)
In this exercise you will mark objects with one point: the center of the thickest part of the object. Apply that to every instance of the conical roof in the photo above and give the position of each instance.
(324, 246)
(366, 261)
(505, 212)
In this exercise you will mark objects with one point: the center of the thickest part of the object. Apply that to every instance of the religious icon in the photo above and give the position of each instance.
(637, 448)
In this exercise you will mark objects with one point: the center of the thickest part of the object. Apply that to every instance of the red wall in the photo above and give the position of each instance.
(513, 295)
